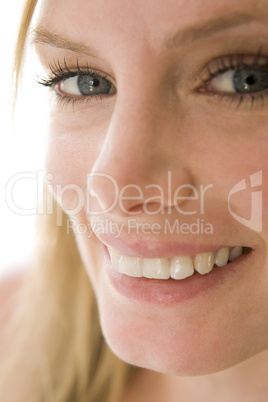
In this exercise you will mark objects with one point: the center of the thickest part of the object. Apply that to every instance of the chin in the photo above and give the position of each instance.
(186, 340)
(196, 326)
(175, 351)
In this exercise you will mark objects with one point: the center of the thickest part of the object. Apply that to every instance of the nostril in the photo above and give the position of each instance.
(136, 209)
(158, 197)
(150, 208)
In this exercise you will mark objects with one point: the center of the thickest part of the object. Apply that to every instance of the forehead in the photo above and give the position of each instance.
(150, 18)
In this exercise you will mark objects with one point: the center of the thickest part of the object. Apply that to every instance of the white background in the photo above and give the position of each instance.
(21, 145)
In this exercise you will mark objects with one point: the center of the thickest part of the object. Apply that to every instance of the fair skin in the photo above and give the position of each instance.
(164, 113)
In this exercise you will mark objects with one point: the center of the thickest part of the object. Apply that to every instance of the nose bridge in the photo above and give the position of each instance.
(136, 151)
(131, 145)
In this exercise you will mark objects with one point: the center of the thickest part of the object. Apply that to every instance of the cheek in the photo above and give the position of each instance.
(233, 157)
(70, 155)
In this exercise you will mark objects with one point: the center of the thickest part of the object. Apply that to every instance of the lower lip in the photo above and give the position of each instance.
(170, 291)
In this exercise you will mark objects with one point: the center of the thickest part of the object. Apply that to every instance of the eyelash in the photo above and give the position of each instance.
(58, 73)
(235, 62)
(212, 70)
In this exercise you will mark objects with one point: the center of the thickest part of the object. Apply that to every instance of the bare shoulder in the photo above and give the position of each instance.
(10, 286)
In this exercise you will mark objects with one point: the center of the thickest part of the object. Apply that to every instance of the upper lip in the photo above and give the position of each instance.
(142, 248)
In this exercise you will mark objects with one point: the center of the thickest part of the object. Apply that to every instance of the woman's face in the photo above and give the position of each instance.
(158, 150)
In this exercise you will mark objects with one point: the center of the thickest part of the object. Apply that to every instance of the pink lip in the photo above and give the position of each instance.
(170, 291)
(154, 248)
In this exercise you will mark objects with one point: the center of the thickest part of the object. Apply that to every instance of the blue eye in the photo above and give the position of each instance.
(249, 80)
(243, 81)
(85, 85)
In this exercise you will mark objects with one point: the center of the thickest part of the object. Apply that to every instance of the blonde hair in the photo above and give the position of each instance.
(54, 349)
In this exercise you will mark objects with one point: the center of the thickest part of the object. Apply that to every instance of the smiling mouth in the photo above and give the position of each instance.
(177, 268)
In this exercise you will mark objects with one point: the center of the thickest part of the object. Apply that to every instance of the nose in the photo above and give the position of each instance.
(143, 158)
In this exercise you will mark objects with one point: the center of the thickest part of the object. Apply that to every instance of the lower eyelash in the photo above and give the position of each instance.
(64, 100)
(251, 100)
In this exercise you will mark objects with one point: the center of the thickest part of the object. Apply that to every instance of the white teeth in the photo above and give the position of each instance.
(115, 257)
(222, 256)
(179, 267)
(235, 252)
(204, 262)
(157, 268)
(182, 267)
(131, 266)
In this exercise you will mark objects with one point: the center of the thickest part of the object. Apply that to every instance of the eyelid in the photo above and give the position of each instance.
(233, 62)
(59, 73)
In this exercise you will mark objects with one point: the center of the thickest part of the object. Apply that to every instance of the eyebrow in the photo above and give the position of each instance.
(209, 28)
(180, 38)
(41, 35)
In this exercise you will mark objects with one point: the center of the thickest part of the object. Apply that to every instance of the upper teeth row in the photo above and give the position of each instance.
(177, 267)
